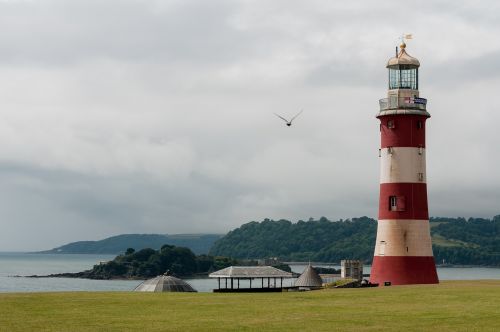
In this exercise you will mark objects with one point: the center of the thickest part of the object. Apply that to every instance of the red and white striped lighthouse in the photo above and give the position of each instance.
(403, 249)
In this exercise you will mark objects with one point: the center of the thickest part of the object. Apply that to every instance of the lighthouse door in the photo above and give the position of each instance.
(381, 248)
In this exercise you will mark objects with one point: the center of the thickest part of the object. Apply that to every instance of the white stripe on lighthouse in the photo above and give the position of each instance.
(403, 238)
(402, 164)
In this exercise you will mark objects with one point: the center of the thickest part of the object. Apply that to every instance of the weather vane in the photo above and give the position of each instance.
(405, 36)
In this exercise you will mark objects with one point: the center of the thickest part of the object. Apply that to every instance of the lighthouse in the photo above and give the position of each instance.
(403, 248)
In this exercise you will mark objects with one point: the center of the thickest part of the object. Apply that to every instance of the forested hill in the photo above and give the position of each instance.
(147, 263)
(455, 240)
(474, 241)
(198, 243)
(316, 240)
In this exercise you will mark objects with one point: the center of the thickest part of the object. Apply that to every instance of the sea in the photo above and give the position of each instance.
(15, 266)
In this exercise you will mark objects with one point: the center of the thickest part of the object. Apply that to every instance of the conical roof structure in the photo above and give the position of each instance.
(164, 283)
(309, 278)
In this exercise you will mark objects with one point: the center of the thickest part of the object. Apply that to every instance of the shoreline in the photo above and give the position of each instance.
(82, 275)
(86, 274)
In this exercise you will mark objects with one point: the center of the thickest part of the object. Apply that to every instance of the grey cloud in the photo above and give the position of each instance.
(62, 32)
(459, 71)
(130, 116)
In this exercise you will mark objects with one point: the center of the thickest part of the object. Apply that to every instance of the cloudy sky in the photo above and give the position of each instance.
(157, 116)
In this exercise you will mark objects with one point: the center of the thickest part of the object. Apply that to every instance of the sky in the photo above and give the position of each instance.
(157, 116)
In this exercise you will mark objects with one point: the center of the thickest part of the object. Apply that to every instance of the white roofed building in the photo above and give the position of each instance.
(232, 276)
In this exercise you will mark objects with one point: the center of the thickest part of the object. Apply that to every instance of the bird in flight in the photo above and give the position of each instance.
(288, 123)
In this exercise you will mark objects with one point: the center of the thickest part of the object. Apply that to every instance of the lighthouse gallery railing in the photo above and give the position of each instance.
(405, 102)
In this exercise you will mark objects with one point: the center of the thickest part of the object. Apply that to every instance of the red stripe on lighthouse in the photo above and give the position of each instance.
(411, 200)
(402, 270)
(402, 130)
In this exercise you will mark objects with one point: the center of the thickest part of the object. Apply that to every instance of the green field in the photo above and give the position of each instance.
(450, 306)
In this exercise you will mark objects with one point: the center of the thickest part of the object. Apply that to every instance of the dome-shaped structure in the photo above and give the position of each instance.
(164, 283)
(403, 58)
(309, 278)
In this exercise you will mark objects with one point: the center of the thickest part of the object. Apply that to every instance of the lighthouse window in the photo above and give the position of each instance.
(393, 78)
(390, 124)
(381, 248)
(403, 77)
(397, 203)
(409, 79)
(393, 203)
(420, 125)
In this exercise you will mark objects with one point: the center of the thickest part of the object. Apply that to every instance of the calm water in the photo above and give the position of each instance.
(12, 264)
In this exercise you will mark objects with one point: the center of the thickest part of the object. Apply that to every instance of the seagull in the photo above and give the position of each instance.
(288, 123)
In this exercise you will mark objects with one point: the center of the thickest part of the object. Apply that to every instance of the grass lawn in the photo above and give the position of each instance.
(449, 306)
